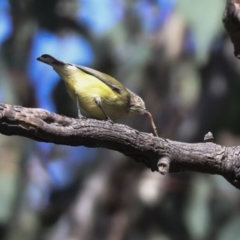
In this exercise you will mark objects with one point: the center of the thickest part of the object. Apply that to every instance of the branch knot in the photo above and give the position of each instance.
(163, 165)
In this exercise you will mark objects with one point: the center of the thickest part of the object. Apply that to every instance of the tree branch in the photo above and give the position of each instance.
(231, 21)
(158, 154)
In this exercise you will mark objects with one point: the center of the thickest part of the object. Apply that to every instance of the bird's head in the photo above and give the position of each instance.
(137, 105)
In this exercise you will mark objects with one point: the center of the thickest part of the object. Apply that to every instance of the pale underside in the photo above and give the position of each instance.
(88, 88)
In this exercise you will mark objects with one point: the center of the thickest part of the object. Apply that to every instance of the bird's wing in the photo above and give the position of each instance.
(113, 84)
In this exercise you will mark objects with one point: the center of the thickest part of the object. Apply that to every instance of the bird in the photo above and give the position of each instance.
(97, 93)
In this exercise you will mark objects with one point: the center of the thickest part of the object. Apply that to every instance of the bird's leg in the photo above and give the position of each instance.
(78, 107)
(99, 103)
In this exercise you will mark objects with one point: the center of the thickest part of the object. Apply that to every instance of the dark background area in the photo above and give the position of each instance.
(177, 56)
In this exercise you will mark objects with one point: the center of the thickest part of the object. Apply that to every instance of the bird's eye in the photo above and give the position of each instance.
(139, 99)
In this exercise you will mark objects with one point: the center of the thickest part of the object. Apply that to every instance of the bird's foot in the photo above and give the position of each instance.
(110, 120)
(80, 116)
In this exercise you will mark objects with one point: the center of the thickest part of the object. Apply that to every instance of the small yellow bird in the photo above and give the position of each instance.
(97, 93)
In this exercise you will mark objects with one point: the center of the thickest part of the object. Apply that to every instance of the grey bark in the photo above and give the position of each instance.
(159, 154)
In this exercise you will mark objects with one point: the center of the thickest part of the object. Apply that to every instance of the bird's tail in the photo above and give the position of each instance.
(48, 59)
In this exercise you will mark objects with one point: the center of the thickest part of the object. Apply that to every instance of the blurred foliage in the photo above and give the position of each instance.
(177, 56)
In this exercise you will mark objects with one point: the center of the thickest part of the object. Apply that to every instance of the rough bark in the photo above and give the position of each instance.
(159, 154)
(231, 21)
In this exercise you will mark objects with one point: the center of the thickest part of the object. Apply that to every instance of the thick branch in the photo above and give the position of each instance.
(231, 21)
(159, 154)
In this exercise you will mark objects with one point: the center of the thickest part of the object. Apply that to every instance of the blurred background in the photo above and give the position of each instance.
(177, 56)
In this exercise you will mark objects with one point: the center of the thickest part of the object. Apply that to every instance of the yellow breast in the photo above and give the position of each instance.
(88, 87)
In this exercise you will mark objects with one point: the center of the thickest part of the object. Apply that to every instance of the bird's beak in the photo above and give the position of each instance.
(145, 112)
